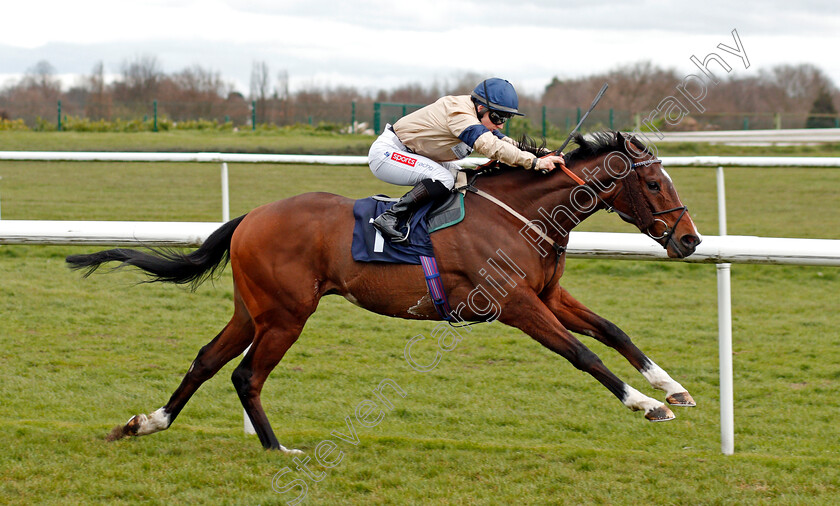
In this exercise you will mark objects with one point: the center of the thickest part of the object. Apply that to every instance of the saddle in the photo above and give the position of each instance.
(442, 214)
(370, 246)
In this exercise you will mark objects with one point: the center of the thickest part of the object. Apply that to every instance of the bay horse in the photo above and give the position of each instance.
(288, 254)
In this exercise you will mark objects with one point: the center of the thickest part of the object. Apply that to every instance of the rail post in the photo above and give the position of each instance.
(377, 117)
(727, 396)
(544, 125)
(154, 106)
(59, 115)
(253, 115)
(225, 194)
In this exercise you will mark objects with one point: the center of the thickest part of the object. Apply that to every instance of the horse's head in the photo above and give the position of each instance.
(644, 195)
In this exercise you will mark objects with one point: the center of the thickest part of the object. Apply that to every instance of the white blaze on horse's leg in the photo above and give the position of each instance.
(290, 452)
(660, 380)
(155, 422)
(379, 242)
(638, 401)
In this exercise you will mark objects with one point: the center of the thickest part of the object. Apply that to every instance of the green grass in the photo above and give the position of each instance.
(501, 420)
(189, 141)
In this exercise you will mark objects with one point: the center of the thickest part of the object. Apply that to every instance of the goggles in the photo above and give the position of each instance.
(498, 118)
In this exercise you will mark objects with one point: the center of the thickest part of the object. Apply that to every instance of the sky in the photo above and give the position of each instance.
(383, 44)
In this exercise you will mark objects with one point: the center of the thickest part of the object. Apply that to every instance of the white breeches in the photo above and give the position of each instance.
(392, 162)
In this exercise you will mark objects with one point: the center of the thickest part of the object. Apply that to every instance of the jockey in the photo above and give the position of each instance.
(419, 149)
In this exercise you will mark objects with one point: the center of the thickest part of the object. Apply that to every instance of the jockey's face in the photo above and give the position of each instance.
(485, 119)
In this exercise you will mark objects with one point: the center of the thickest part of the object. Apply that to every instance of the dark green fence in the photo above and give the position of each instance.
(353, 117)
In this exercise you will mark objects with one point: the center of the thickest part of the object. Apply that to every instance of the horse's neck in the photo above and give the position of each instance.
(547, 199)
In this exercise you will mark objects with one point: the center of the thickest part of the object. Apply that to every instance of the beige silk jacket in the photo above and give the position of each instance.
(449, 129)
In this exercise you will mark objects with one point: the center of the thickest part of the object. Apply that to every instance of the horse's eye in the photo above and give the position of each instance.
(653, 186)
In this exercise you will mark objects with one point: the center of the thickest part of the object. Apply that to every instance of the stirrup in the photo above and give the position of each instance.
(404, 237)
(391, 232)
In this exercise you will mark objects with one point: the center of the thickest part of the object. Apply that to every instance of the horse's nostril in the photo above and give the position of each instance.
(690, 241)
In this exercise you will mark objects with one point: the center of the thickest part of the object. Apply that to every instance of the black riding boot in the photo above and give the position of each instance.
(423, 192)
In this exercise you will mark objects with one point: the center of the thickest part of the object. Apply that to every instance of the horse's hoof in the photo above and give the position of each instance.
(660, 414)
(129, 429)
(681, 399)
(116, 433)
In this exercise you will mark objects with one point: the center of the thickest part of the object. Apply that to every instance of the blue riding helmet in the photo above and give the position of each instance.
(497, 95)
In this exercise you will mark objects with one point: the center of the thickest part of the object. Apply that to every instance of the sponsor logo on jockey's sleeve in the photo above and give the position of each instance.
(398, 157)
(462, 150)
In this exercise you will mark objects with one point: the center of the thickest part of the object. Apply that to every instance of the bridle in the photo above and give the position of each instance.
(667, 235)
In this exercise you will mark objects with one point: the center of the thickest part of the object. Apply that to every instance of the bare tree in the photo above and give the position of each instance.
(800, 83)
(637, 87)
(260, 88)
(194, 93)
(42, 78)
(99, 101)
(36, 95)
(465, 83)
(281, 94)
(141, 78)
(281, 90)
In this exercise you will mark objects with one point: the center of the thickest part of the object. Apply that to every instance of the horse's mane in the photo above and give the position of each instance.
(599, 143)
(588, 146)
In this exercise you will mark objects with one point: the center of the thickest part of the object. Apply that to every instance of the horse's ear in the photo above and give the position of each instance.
(620, 141)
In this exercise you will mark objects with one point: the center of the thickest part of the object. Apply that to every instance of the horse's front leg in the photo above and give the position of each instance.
(533, 317)
(578, 318)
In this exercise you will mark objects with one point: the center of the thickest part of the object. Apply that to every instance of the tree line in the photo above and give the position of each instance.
(802, 90)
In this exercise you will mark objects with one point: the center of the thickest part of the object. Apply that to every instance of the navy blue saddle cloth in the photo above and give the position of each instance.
(370, 246)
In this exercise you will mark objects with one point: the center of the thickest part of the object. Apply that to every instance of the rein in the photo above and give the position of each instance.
(558, 250)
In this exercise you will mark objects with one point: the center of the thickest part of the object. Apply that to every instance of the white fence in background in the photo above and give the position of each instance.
(722, 250)
(674, 161)
(619, 246)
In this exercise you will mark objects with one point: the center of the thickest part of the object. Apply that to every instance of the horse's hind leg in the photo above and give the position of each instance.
(229, 343)
(578, 318)
(274, 336)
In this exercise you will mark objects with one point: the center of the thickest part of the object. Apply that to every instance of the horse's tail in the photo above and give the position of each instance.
(167, 265)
